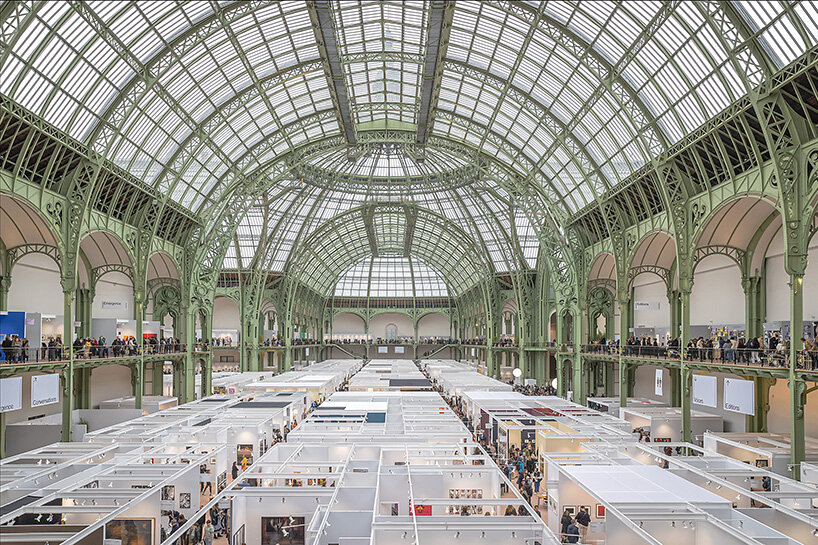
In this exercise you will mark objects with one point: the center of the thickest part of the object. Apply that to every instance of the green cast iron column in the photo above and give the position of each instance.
(685, 371)
(753, 319)
(207, 360)
(5, 285)
(797, 386)
(624, 327)
(82, 377)
(68, 371)
(186, 373)
(757, 423)
(139, 367)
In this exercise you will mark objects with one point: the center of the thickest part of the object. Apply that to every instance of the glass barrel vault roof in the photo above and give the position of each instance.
(572, 95)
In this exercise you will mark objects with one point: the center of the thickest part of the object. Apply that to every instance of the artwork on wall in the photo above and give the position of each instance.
(571, 510)
(421, 510)
(184, 500)
(244, 451)
(289, 530)
(395, 510)
(600, 511)
(470, 493)
(130, 531)
(585, 508)
(221, 481)
(168, 493)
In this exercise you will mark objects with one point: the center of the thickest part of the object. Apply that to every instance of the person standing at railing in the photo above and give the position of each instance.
(812, 353)
(753, 347)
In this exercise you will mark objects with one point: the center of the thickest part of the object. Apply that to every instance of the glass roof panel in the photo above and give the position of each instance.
(574, 95)
(391, 277)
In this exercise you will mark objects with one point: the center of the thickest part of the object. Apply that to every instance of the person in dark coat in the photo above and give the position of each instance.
(565, 521)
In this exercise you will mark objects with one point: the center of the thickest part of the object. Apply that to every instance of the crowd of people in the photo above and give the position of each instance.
(774, 351)
(19, 350)
(534, 390)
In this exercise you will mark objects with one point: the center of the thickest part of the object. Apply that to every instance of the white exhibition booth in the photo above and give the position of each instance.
(111, 328)
(611, 406)
(665, 423)
(43, 326)
(150, 404)
(769, 450)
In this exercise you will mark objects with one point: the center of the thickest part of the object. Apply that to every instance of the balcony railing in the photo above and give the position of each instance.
(747, 357)
(56, 354)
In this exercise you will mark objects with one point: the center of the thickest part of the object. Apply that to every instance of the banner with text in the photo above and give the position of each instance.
(45, 390)
(739, 396)
(399, 349)
(11, 394)
(704, 390)
(383, 350)
(658, 386)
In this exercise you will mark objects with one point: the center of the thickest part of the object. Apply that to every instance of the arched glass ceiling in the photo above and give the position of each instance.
(485, 213)
(390, 277)
(188, 95)
(388, 230)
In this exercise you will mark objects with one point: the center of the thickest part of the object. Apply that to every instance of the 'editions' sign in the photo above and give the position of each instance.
(739, 396)
(45, 390)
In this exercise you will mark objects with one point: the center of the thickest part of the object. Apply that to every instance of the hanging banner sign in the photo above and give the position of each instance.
(472, 351)
(646, 305)
(399, 350)
(704, 390)
(117, 305)
(45, 390)
(658, 390)
(11, 394)
(739, 396)
(383, 350)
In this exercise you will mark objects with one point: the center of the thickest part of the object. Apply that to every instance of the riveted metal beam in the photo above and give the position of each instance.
(437, 40)
(321, 18)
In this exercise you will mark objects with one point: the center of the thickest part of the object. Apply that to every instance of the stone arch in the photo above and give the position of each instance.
(653, 253)
(103, 252)
(602, 272)
(427, 328)
(345, 324)
(24, 230)
(737, 228)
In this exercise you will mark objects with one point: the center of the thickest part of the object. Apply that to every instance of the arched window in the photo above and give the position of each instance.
(391, 332)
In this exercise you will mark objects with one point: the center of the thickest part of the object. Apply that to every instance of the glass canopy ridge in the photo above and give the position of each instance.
(573, 95)
(389, 169)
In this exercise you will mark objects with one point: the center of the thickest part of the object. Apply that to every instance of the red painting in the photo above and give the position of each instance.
(422, 510)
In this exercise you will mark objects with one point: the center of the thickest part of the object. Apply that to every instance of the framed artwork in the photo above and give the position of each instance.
(600, 511)
(130, 531)
(184, 500)
(571, 510)
(289, 530)
(762, 463)
(243, 451)
(395, 510)
(168, 493)
(585, 508)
